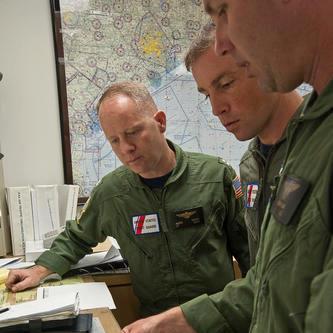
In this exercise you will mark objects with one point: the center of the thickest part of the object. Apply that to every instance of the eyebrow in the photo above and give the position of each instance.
(208, 9)
(216, 80)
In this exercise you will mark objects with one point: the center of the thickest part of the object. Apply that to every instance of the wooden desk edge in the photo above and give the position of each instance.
(107, 319)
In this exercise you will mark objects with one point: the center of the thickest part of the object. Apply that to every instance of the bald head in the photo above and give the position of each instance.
(137, 92)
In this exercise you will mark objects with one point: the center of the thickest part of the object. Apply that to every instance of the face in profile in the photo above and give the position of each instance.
(136, 137)
(242, 107)
(256, 34)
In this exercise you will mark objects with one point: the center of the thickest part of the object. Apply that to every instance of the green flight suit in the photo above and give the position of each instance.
(197, 225)
(289, 289)
(257, 174)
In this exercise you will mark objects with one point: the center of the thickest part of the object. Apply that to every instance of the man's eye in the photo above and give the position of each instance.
(114, 141)
(132, 133)
(226, 85)
(206, 97)
(222, 10)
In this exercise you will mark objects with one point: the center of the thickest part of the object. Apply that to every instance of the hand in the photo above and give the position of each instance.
(20, 279)
(171, 321)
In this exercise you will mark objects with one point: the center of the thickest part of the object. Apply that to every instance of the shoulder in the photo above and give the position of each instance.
(209, 165)
(112, 183)
(249, 152)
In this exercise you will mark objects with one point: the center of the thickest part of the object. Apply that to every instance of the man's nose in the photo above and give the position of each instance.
(223, 45)
(126, 146)
(219, 106)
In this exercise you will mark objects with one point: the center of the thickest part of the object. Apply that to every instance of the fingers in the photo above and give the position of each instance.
(12, 279)
(22, 279)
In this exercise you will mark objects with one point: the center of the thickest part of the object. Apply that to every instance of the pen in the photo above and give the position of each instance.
(3, 310)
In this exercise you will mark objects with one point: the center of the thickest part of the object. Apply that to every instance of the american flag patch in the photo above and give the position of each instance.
(237, 186)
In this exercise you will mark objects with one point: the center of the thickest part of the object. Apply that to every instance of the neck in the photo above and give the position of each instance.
(284, 108)
(166, 163)
(321, 70)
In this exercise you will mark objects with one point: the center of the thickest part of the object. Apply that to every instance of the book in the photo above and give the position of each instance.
(68, 197)
(20, 217)
(45, 209)
(5, 242)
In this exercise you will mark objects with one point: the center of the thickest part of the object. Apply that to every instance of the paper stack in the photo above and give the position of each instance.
(39, 213)
(56, 306)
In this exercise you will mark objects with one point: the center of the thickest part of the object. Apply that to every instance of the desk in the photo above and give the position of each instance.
(120, 286)
(106, 318)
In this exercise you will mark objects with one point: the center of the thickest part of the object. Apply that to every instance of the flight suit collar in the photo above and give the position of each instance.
(318, 105)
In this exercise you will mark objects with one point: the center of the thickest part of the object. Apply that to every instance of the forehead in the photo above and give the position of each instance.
(119, 109)
(210, 66)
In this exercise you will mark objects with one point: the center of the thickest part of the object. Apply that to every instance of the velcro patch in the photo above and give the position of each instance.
(251, 194)
(189, 217)
(289, 196)
(145, 224)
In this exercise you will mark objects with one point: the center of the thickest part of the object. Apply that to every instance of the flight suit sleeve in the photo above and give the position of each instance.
(76, 240)
(235, 227)
(318, 317)
(227, 311)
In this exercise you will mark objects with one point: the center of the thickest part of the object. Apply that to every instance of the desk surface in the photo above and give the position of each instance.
(107, 319)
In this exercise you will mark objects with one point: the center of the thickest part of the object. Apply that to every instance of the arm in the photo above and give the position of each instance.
(318, 317)
(171, 321)
(21, 279)
(235, 225)
(229, 311)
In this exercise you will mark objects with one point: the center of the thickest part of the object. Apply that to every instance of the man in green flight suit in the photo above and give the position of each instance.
(177, 216)
(248, 112)
(289, 289)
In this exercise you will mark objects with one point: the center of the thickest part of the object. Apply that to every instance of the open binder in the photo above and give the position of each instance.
(80, 323)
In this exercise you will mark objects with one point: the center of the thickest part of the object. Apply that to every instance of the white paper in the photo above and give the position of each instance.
(45, 209)
(42, 307)
(20, 265)
(98, 258)
(6, 261)
(92, 295)
(114, 242)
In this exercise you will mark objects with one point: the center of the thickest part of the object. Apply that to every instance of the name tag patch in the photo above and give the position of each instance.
(189, 217)
(145, 224)
(251, 194)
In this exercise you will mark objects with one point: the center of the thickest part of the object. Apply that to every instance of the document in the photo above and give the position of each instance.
(6, 261)
(64, 304)
(92, 295)
(98, 258)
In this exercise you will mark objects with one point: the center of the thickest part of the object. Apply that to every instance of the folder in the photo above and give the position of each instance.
(81, 323)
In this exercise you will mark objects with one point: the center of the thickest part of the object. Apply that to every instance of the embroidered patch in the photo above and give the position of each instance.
(237, 186)
(251, 194)
(145, 224)
(189, 217)
(83, 210)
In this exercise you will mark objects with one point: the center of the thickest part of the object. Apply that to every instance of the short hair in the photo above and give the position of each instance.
(137, 92)
(200, 45)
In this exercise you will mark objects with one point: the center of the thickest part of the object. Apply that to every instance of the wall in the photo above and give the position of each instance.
(30, 135)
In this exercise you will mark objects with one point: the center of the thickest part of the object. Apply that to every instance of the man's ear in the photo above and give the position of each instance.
(160, 117)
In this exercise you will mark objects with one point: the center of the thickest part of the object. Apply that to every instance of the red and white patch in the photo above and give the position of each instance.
(251, 194)
(145, 224)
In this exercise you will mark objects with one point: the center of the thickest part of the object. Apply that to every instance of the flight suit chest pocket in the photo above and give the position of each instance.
(211, 230)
